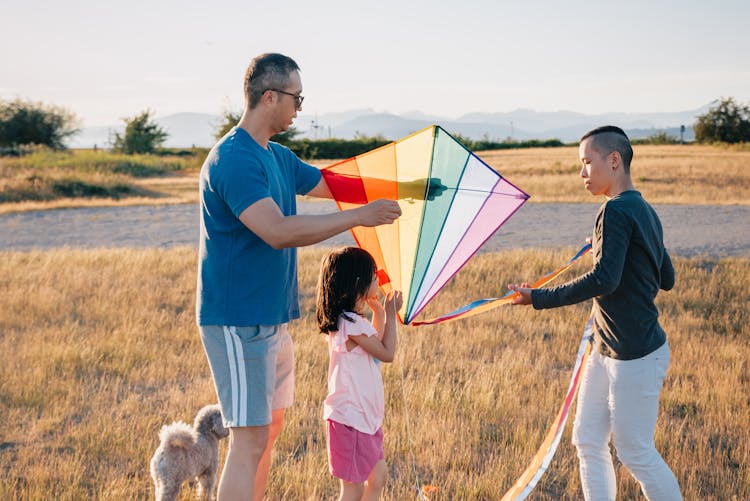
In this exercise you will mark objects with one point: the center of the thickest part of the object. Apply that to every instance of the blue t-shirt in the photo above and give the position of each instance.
(241, 279)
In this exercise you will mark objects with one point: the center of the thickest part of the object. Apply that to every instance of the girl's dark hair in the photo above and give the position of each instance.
(345, 276)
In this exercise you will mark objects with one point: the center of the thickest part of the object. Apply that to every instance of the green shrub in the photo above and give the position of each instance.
(335, 148)
(26, 123)
(315, 149)
(660, 137)
(141, 135)
(727, 122)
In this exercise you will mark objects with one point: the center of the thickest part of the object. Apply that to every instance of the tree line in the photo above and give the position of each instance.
(26, 123)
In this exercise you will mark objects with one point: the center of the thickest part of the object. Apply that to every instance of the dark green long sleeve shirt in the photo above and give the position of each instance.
(630, 266)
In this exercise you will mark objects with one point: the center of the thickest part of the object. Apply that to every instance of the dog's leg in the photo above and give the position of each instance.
(169, 491)
(206, 483)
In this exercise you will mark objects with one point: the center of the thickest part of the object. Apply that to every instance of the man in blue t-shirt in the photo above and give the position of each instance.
(247, 267)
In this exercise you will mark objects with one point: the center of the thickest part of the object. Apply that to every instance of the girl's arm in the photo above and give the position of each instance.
(378, 314)
(385, 349)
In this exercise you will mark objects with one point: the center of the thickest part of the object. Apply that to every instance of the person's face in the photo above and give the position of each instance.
(286, 103)
(370, 295)
(373, 290)
(596, 170)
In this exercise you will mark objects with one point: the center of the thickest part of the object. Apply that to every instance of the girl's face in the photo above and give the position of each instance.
(372, 292)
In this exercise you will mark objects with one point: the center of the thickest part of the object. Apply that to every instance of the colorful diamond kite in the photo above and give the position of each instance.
(439, 230)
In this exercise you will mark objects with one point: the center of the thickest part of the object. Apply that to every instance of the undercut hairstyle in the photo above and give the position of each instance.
(267, 71)
(345, 277)
(609, 138)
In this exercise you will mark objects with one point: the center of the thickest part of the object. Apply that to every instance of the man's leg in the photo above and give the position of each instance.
(591, 431)
(636, 386)
(261, 477)
(246, 446)
(283, 397)
(243, 363)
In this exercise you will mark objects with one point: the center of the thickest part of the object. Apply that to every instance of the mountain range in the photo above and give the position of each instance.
(198, 129)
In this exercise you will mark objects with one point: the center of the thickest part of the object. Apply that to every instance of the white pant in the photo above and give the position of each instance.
(621, 398)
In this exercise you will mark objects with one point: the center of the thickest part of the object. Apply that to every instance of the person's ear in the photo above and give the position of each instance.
(267, 97)
(616, 160)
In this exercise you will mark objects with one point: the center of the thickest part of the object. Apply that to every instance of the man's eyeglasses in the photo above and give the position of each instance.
(297, 98)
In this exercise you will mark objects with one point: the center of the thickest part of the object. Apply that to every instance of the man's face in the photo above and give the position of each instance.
(596, 169)
(286, 104)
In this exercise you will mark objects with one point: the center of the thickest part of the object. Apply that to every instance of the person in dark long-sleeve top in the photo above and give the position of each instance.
(622, 381)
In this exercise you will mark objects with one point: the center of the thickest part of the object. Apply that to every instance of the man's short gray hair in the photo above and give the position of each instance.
(267, 71)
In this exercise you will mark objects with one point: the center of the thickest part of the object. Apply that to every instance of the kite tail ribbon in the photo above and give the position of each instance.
(543, 457)
(482, 305)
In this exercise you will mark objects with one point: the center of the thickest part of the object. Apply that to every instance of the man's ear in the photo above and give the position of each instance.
(267, 97)
(616, 160)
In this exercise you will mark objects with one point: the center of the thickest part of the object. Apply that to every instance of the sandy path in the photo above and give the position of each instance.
(689, 230)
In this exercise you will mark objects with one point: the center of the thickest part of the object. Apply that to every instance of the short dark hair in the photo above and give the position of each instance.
(609, 138)
(267, 71)
(345, 277)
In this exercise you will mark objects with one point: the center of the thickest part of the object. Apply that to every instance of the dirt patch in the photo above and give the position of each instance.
(689, 230)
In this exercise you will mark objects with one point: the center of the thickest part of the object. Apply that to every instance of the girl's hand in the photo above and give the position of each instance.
(524, 293)
(373, 301)
(394, 301)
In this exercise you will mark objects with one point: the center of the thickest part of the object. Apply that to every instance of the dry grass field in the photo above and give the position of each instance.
(99, 349)
(665, 174)
(55, 179)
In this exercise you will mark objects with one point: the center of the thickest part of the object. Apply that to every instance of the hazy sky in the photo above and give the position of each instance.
(108, 60)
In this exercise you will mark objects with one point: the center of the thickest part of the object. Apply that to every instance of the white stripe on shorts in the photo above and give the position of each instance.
(236, 363)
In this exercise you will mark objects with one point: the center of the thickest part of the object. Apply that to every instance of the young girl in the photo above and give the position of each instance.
(355, 404)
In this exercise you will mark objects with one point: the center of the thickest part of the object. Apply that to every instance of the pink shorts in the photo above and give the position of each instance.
(352, 454)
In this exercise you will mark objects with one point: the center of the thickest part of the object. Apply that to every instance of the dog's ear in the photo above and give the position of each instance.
(218, 426)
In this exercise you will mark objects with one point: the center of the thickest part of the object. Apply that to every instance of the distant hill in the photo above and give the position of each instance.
(519, 124)
(198, 129)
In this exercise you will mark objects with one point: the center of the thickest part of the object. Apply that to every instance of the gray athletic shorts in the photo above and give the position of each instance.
(253, 371)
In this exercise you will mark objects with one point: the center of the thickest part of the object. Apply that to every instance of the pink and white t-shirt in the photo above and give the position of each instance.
(355, 385)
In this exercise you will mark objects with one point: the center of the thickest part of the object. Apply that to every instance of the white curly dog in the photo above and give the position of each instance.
(187, 452)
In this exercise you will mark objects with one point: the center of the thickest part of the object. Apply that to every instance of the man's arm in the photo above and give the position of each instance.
(265, 219)
(321, 190)
(613, 231)
(667, 272)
